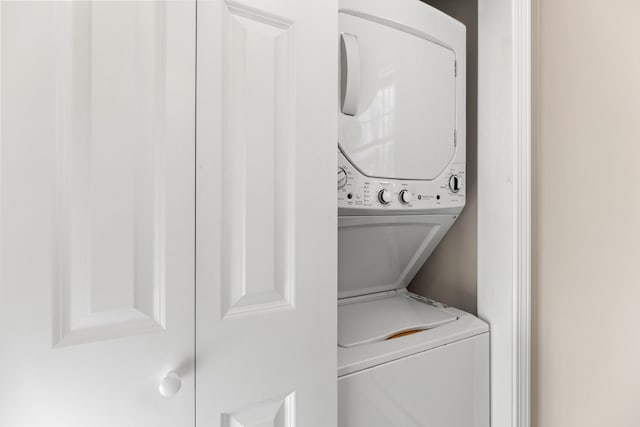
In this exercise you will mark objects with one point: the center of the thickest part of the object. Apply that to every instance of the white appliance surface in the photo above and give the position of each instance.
(401, 185)
(361, 357)
(359, 194)
(379, 253)
(404, 123)
(364, 322)
(401, 177)
(447, 386)
(437, 377)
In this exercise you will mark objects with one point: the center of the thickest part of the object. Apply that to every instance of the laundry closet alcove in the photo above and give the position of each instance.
(168, 227)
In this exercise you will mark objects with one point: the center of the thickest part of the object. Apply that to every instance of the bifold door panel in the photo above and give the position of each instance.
(97, 213)
(101, 287)
(266, 213)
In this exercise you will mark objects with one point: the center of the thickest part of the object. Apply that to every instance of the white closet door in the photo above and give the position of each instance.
(97, 213)
(266, 213)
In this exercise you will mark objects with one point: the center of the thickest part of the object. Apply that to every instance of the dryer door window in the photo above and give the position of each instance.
(398, 93)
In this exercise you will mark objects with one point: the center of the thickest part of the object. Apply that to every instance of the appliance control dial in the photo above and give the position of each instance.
(405, 197)
(384, 196)
(342, 177)
(454, 183)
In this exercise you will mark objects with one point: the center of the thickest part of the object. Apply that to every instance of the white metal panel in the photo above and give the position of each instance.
(358, 358)
(405, 119)
(97, 213)
(359, 194)
(446, 387)
(361, 322)
(379, 253)
(266, 207)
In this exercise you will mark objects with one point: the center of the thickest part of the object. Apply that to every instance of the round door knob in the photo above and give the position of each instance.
(170, 384)
(384, 196)
(405, 197)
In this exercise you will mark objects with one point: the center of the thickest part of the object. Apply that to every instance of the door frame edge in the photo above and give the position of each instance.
(504, 207)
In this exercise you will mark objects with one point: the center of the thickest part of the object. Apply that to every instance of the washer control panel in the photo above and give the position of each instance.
(357, 192)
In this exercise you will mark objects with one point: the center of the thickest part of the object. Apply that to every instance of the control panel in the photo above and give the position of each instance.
(359, 194)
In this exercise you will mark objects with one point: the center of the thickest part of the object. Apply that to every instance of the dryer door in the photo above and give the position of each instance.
(398, 92)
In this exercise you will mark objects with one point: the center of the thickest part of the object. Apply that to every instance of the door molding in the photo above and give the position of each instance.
(522, 205)
(504, 208)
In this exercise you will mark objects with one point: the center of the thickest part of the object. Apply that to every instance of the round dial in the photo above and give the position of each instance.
(454, 183)
(342, 178)
(384, 196)
(405, 197)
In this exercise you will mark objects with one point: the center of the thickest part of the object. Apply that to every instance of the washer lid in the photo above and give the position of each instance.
(398, 101)
(380, 319)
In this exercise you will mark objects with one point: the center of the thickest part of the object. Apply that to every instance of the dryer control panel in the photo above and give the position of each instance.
(359, 194)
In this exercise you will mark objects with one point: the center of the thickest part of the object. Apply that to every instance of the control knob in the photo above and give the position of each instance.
(384, 196)
(405, 197)
(342, 178)
(454, 183)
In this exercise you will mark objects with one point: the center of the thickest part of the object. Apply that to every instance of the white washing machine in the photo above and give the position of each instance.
(403, 360)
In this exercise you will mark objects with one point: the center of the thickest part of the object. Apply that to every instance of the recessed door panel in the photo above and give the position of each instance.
(277, 412)
(109, 254)
(257, 241)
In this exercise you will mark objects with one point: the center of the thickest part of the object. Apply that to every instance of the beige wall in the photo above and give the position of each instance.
(587, 210)
(450, 274)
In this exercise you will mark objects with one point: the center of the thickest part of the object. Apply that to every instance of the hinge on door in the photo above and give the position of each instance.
(455, 68)
(455, 138)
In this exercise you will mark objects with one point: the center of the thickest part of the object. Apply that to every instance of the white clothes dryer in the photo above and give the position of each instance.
(403, 359)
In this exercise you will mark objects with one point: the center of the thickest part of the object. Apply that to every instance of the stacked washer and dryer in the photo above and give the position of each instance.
(403, 359)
